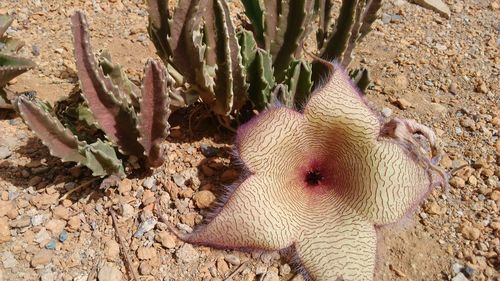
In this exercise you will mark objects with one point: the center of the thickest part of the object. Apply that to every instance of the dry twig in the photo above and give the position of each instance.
(121, 240)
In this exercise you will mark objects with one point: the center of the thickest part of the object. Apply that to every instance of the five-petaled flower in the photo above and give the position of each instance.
(321, 181)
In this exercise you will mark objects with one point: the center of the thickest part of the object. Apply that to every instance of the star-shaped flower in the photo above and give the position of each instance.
(321, 181)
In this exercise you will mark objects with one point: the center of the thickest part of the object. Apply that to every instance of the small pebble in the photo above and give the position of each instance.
(208, 151)
(109, 272)
(186, 253)
(179, 180)
(149, 182)
(232, 259)
(63, 236)
(4, 152)
(460, 277)
(51, 245)
(145, 227)
(386, 112)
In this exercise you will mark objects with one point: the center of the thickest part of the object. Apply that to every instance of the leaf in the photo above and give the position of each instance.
(338, 41)
(298, 17)
(361, 77)
(101, 158)
(5, 22)
(107, 104)
(299, 83)
(254, 9)
(11, 67)
(159, 27)
(119, 78)
(261, 80)
(153, 118)
(60, 141)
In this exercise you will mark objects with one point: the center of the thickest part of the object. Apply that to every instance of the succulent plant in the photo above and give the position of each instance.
(199, 42)
(133, 120)
(337, 41)
(230, 69)
(10, 65)
(321, 183)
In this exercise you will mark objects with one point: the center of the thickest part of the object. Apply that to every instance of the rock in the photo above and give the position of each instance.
(446, 162)
(23, 221)
(51, 245)
(44, 201)
(457, 182)
(146, 253)
(470, 232)
(232, 259)
(47, 275)
(74, 224)
(55, 226)
(438, 108)
(271, 276)
(434, 209)
(468, 271)
(401, 82)
(63, 236)
(457, 268)
(285, 269)
(7, 208)
(468, 123)
(401, 103)
(495, 195)
(41, 258)
(148, 197)
(435, 5)
(182, 205)
(386, 112)
(222, 266)
(186, 253)
(42, 237)
(460, 277)
(127, 211)
(8, 260)
(386, 18)
(166, 239)
(145, 268)
(125, 186)
(208, 151)
(481, 87)
(61, 212)
(37, 220)
(4, 152)
(203, 199)
(4, 230)
(260, 269)
(109, 273)
(453, 88)
(149, 182)
(112, 250)
(179, 180)
(145, 226)
(472, 180)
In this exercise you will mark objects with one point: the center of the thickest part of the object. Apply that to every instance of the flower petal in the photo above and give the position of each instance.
(338, 247)
(389, 184)
(254, 216)
(266, 142)
(339, 107)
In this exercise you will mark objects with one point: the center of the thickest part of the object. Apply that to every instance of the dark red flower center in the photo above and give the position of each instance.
(313, 177)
